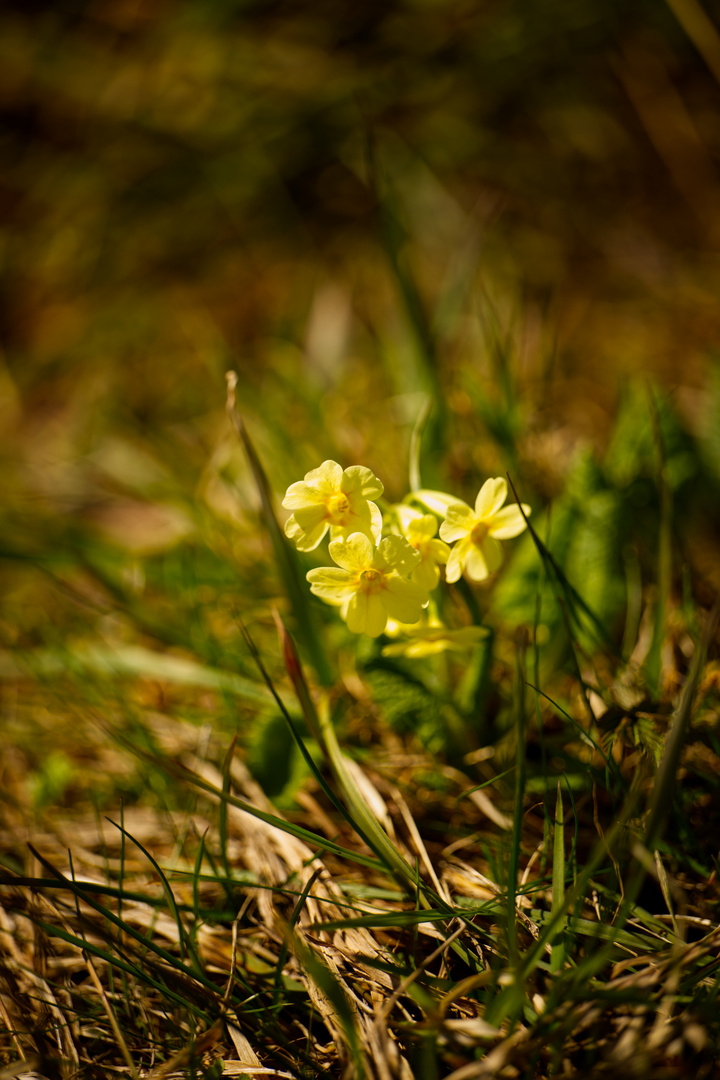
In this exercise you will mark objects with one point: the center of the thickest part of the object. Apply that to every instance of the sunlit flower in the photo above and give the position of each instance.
(369, 584)
(419, 531)
(431, 638)
(329, 498)
(477, 550)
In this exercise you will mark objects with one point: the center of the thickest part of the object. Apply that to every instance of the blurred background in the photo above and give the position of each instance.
(512, 207)
(348, 206)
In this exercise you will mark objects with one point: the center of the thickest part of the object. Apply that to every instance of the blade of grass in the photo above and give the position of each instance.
(100, 989)
(112, 1018)
(152, 952)
(360, 815)
(138, 971)
(308, 713)
(404, 919)
(610, 763)
(508, 1004)
(572, 597)
(186, 942)
(180, 771)
(665, 887)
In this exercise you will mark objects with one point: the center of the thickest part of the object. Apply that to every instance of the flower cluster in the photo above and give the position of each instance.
(379, 577)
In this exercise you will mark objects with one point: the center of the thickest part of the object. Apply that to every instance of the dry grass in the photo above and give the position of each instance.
(233, 953)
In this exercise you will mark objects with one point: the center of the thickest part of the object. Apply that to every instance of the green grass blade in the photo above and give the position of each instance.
(362, 819)
(571, 597)
(115, 960)
(307, 708)
(181, 772)
(223, 808)
(186, 942)
(148, 945)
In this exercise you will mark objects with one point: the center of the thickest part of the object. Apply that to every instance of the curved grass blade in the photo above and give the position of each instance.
(572, 597)
(185, 937)
(180, 771)
(148, 945)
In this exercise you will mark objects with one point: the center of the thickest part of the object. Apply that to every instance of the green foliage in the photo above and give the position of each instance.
(51, 780)
(275, 761)
(585, 530)
(410, 708)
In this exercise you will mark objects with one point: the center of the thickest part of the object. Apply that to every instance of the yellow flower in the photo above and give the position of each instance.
(329, 498)
(478, 551)
(419, 531)
(432, 638)
(369, 584)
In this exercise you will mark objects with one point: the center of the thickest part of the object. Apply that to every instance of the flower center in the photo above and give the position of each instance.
(338, 507)
(371, 581)
(479, 532)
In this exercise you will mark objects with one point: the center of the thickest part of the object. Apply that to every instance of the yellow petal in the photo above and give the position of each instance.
(490, 498)
(406, 516)
(366, 614)
(354, 554)
(376, 522)
(332, 585)
(426, 574)
(456, 562)
(439, 551)
(508, 522)
(326, 478)
(423, 528)
(361, 480)
(475, 566)
(299, 495)
(305, 540)
(404, 600)
(395, 553)
(309, 517)
(460, 520)
(483, 561)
